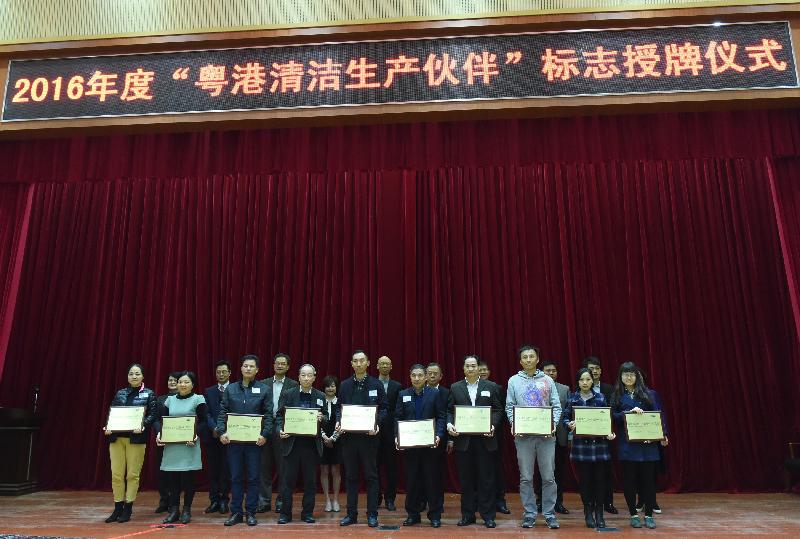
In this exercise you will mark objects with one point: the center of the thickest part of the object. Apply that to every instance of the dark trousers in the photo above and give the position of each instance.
(303, 458)
(271, 464)
(181, 482)
(244, 462)
(387, 459)
(475, 469)
(609, 482)
(499, 473)
(423, 482)
(359, 452)
(163, 479)
(592, 481)
(219, 476)
(560, 461)
(639, 478)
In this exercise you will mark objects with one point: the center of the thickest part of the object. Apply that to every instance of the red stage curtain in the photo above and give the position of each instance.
(646, 238)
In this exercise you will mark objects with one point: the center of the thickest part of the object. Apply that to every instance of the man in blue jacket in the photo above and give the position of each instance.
(360, 449)
(245, 397)
(420, 402)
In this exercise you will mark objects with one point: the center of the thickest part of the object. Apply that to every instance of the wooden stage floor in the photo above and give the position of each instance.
(80, 514)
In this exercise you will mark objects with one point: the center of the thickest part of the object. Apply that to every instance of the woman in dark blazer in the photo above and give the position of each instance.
(126, 449)
(330, 475)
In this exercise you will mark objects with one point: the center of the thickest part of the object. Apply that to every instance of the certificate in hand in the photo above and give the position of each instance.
(592, 422)
(178, 429)
(125, 418)
(416, 434)
(533, 420)
(301, 421)
(358, 418)
(473, 419)
(645, 427)
(244, 428)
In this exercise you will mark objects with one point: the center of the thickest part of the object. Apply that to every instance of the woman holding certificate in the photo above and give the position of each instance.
(639, 458)
(182, 415)
(128, 442)
(589, 453)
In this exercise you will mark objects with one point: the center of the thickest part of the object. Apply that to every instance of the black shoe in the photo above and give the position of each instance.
(348, 520)
(162, 508)
(436, 523)
(213, 508)
(234, 519)
(466, 520)
(284, 519)
(308, 519)
(390, 506)
(116, 513)
(490, 523)
(528, 522)
(127, 512)
(656, 509)
(588, 515)
(410, 521)
(599, 519)
(611, 509)
(186, 515)
(503, 508)
(372, 521)
(278, 505)
(380, 499)
(559, 508)
(538, 508)
(263, 508)
(251, 519)
(173, 516)
(223, 507)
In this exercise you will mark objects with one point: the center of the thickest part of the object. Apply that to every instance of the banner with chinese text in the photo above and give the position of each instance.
(509, 66)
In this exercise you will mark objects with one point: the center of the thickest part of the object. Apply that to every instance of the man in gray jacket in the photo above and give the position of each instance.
(531, 387)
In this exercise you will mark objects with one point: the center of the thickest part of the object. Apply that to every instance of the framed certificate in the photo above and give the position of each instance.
(416, 434)
(358, 418)
(301, 421)
(125, 418)
(533, 420)
(592, 422)
(178, 429)
(244, 428)
(473, 419)
(645, 427)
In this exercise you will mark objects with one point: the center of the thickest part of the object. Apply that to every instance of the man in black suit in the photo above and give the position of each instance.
(475, 452)
(301, 452)
(423, 476)
(434, 375)
(499, 474)
(359, 449)
(387, 453)
(272, 453)
(219, 478)
(593, 364)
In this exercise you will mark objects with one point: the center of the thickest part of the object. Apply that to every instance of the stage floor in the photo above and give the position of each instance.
(81, 514)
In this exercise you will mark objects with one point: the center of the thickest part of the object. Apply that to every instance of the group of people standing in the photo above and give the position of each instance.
(241, 474)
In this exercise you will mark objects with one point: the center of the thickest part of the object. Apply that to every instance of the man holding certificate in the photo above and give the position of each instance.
(532, 387)
(363, 408)
(416, 407)
(474, 412)
(245, 418)
(301, 410)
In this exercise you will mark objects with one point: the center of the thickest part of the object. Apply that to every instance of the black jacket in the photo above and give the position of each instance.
(378, 397)
(253, 399)
(291, 398)
(132, 397)
(488, 395)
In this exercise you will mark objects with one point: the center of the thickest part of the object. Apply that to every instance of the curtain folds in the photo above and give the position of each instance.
(666, 240)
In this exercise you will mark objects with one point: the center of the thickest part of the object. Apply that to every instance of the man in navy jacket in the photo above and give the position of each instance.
(359, 449)
(420, 402)
(219, 477)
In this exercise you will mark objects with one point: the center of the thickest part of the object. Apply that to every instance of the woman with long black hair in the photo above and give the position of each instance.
(638, 459)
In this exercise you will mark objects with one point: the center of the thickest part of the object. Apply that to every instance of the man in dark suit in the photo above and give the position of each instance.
(301, 452)
(359, 449)
(499, 474)
(219, 478)
(244, 459)
(387, 453)
(434, 375)
(423, 476)
(272, 453)
(475, 452)
(593, 364)
(550, 369)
